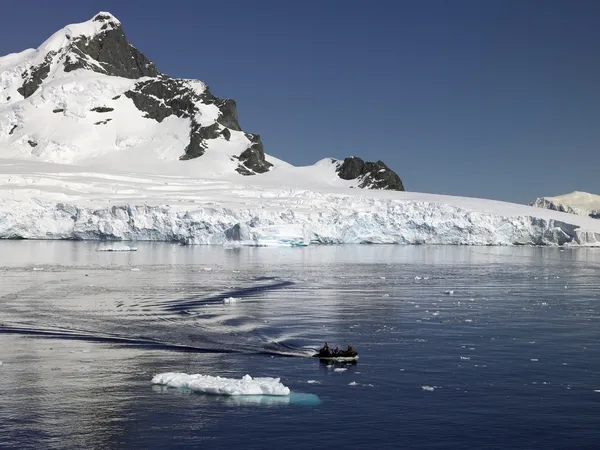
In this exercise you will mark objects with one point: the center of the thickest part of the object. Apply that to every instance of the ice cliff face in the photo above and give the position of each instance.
(580, 203)
(88, 77)
(374, 221)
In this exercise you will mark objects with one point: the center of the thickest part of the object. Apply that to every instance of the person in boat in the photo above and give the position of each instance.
(325, 349)
(350, 349)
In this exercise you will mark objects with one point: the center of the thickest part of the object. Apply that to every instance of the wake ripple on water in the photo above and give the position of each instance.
(102, 311)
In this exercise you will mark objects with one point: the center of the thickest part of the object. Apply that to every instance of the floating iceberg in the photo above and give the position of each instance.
(207, 384)
(121, 248)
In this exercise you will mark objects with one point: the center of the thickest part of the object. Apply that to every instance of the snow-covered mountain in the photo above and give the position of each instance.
(87, 95)
(96, 143)
(577, 202)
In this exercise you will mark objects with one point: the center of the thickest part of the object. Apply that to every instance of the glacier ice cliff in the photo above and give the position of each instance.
(376, 221)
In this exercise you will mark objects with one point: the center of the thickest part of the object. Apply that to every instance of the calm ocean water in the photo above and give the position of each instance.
(460, 347)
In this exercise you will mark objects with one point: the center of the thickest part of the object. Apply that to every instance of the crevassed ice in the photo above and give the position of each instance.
(377, 221)
(209, 384)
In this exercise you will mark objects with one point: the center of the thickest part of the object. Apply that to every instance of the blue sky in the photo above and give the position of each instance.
(477, 98)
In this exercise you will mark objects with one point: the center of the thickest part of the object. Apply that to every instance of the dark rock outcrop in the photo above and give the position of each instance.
(32, 78)
(162, 97)
(102, 109)
(111, 49)
(253, 159)
(371, 175)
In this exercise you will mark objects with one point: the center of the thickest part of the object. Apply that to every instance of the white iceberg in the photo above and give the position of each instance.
(208, 384)
(117, 248)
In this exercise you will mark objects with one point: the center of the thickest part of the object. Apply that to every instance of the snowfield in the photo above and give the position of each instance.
(287, 206)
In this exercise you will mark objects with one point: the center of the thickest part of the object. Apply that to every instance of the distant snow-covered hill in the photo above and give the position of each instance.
(581, 203)
(96, 143)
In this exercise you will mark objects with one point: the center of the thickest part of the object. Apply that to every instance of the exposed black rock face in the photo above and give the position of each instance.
(101, 17)
(372, 175)
(161, 97)
(58, 110)
(32, 143)
(111, 49)
(35, 75)
(198, 137)
(226, 134)
(253, 159)
(102, 122)
(12, 130)
(228, 117)
(102, 109)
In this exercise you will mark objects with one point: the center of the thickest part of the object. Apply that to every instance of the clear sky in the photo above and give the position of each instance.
(494, 99)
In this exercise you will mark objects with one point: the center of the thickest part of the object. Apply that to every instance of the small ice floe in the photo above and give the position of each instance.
(230, 300)
(385, 295)
(208, 384)
(597, 390)
(313, 382)
(118, 248)
(382, 278)
(340, 369)
(38, 269)
(449, 292)
(207, 269)
(534, 360)
(428, 388)
(235, 271)
(468, 320)
(0, 363)
(465, 357)
(353, 383)
(135, 269)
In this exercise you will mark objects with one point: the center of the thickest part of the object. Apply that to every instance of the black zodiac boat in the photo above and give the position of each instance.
(336, 354)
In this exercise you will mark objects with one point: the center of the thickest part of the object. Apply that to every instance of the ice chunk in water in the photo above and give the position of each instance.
(208, 384)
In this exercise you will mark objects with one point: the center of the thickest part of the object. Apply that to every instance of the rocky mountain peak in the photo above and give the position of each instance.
(57, 82)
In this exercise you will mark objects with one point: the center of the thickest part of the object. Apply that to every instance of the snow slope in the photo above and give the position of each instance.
(91, 148)
(581, 203)
(41, 200)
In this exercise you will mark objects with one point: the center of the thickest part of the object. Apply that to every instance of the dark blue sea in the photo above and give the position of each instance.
(460, 347)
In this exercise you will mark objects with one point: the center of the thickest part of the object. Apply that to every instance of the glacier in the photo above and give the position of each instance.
(53, 202)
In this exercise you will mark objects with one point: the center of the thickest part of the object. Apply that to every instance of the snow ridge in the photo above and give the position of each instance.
(577, 202)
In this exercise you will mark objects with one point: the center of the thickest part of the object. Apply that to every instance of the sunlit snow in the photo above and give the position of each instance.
(216, 385)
